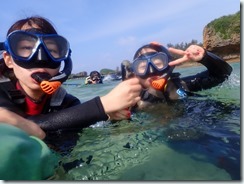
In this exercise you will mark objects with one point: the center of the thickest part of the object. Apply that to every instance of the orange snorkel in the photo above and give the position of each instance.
(47, 86)
(50, 87)
(159, 84)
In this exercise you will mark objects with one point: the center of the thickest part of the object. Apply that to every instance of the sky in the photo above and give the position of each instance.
(103, 33)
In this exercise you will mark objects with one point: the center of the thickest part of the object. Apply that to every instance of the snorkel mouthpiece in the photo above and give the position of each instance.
(50, 87)
(158, 84)
(47, 86)
(161, 82)
(40, 76)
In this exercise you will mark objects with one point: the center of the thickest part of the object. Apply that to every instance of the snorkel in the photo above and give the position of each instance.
(161, 82)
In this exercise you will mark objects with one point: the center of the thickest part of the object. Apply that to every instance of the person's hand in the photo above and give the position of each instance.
(28, 126)
(192, 53)
(120, 115)
(125, 94)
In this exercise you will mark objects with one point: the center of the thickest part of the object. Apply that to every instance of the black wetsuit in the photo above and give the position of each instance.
(61, 112)
(177, 88)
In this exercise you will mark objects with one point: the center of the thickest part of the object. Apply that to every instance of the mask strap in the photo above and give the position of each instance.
(2, 46)
(64, 74)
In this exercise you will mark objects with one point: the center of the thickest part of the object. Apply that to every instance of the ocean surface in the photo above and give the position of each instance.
(194, 140)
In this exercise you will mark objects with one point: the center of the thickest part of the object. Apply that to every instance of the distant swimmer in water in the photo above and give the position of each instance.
(30, 87)
(153, 65)
(94, 78)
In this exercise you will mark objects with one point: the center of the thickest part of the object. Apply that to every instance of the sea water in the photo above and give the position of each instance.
(198, 139)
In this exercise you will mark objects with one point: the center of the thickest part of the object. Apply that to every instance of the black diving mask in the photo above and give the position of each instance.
(96, 78)
(34, 50)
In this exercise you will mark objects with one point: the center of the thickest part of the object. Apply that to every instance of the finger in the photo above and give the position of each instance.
(122, 114)
(136, 99)
(176, 51)
(34, 129)
(125, 113)
(134, 81)
(178, 61)
(136, 89)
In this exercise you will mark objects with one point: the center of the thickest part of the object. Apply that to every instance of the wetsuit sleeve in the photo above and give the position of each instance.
(75, 117)
(218, 71)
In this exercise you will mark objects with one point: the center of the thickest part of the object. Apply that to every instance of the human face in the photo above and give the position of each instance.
(95, 79)
(146, 82)
(29, 85)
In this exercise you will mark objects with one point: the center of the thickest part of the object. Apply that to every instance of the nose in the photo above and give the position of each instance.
(42, 55)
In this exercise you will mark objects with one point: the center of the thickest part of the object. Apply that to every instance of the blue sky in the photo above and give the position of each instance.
(102, 33)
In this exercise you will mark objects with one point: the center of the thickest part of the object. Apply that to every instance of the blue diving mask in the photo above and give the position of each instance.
(34, 50)
(151, 64)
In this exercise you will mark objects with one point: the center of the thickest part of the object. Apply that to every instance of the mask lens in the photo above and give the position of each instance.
(57, 46)
(96, 78)
(140, 66)
(159, 61)
(22, 44)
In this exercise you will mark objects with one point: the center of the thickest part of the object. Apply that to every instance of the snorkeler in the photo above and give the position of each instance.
(94, 78)
(31, 78)
(154, 65)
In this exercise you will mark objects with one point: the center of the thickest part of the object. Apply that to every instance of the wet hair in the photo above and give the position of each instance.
(95, 73)
(43, 24)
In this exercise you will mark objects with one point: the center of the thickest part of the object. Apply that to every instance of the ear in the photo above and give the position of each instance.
(8, 60)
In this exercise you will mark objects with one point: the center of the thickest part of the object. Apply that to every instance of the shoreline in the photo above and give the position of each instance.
(233, 60)
(185, 65)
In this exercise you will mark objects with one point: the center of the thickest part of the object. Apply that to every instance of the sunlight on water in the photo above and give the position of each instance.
(195, 140)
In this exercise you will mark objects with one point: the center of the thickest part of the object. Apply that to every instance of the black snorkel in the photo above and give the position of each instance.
(50, 84)
(2, 48)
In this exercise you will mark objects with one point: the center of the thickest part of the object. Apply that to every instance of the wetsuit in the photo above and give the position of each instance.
(61, 111)
(177, 88)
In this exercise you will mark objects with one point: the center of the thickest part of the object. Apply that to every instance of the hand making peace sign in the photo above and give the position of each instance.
(192, 53)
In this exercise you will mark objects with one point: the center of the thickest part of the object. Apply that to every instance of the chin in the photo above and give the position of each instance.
(36, 87)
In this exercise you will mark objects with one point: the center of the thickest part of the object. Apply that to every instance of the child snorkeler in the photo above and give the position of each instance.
(31, 79)
(153, 65)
